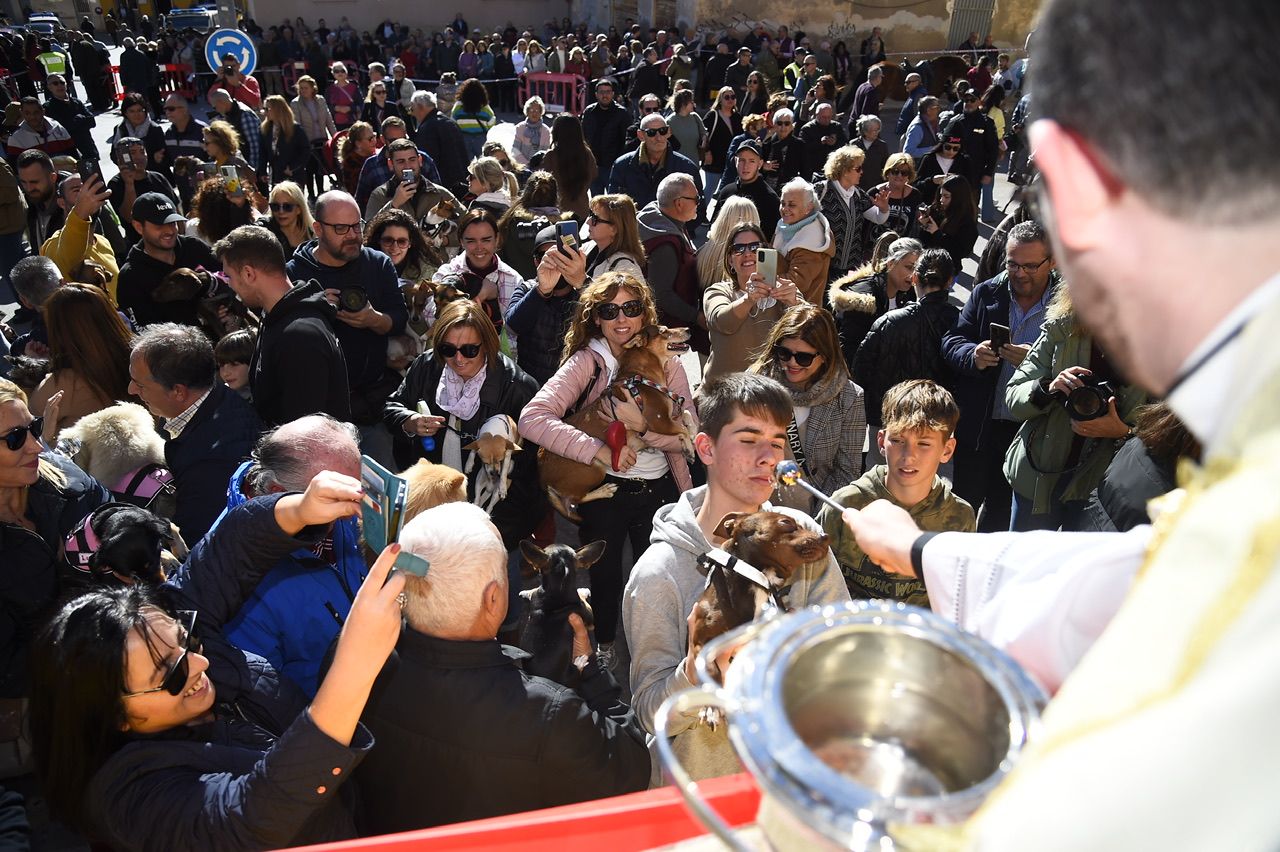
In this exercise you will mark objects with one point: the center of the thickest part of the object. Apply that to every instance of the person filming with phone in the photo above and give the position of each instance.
(134, 181)
(408, 189)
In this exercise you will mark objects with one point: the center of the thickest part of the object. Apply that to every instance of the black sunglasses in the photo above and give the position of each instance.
(899, 172)
(176, 679)
(16, 437)
(657, 131)
(281, 206)
(609, 310)
(743, 248)
(468, 350)
(648, 110)
(593, 219)
(784, 355)
(951, 147)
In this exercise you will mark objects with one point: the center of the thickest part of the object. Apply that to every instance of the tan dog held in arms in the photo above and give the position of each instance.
(498, 441)
(642, 407)
(430, 485)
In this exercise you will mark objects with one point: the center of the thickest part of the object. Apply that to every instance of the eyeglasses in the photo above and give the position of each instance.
(951, 147)
(282, 206)
(15, 438)
(649, 110)
(468, 350)
(657, 131)
(395, 242)
(782, 124)
(593, 219)
(692, 198)
(855, 168)
(899, 172)
(609, 310)
(743, 248)
(1027, 268)
(341, 228)
(176, 679)
(783, 354)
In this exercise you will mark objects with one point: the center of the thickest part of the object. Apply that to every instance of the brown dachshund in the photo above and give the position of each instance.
(639, 390)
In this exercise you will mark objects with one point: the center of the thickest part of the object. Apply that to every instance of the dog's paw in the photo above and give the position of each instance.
(712, 717)
(600, 492)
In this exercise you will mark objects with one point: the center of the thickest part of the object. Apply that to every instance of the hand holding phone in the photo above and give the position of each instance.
(999, 336)
(767, 265)
(231, 176)
(566, 234)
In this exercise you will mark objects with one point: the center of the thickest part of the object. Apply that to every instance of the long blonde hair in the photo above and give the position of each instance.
(279, 115)
(293, 193)
(736, 211)
(585, 326)
(9, 392)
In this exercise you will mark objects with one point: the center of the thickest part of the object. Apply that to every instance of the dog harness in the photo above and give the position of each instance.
(729, 562)
(634, 383)
(141, 487)
(82, 543)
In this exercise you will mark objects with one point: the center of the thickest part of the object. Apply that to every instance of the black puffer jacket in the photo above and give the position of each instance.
(858, 301)
(1133, 478)
(30, 583)
(506, 390)
(904, 344)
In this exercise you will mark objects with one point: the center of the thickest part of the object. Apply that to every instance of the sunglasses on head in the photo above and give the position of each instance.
(783, 354)
(16, 437)
(468, 350)
(176, 679)
(657, 131)
(610, 310)
(281, 206)
(743, 248)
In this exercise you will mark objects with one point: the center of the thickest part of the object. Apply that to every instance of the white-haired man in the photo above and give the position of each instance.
(463, 732)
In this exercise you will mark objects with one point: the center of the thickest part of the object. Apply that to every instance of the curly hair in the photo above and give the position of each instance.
(226, 136)
(603, 289)
(420, 251)
(217, 214)
(472, 95)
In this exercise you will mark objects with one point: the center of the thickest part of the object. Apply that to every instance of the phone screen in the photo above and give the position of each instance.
(566, 233)
(231, 175)
(406, 175)
(767, 265)
(999, 335)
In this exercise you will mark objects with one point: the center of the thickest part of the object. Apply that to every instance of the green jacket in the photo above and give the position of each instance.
(941, 511)
(1046, 428)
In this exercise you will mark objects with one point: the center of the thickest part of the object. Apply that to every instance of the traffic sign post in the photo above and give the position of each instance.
(239, 45)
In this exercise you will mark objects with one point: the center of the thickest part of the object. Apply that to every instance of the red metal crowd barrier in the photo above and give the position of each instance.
(560, 92)
(116, 84)
(177, 79)
(622, 824)
(291, 71)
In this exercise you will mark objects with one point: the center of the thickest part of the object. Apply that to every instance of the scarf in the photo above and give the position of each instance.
(821, 392)
(786, 233)
(459, 396)
(140, 131)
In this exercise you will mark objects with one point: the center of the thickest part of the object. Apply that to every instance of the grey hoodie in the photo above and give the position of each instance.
(662, 589)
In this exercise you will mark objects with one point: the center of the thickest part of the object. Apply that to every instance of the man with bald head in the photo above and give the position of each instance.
(361, 282)
(298, 608)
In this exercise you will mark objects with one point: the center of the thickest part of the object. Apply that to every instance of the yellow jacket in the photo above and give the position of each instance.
(75, 242)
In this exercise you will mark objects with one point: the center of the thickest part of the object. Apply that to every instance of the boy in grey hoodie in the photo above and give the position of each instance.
(744, 422)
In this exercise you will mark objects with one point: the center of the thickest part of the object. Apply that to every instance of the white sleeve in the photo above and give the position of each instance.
(876, 215)
(1041, 597)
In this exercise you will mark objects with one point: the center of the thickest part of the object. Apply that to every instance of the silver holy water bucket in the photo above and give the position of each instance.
(858, 717)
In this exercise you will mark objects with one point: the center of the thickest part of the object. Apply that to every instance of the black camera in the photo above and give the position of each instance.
(1089, 401)
(352, 299)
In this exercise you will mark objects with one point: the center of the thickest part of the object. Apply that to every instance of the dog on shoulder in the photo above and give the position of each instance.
(547, 634)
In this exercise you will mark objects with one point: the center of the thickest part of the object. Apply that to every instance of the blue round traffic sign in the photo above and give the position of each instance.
(221, 42)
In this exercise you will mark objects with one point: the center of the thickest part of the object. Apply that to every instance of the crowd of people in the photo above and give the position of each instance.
(290, 274)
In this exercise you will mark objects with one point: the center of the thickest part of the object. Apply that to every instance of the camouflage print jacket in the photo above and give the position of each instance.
(941, 511)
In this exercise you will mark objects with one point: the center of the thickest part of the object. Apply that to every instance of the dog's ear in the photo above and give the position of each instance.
(728, 524)
(590, 554)
(512, 447)
(474, 445)
(533, 554)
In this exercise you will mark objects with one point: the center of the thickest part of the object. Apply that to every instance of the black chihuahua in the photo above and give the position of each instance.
(547, 634)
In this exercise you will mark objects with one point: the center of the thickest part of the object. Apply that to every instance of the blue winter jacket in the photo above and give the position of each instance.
(261, 775)
(297, 610)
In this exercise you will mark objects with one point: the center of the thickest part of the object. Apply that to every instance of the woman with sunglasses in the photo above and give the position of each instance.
(43, 496)
(378, 105)
(343, 96)
(783, 149)
(151, 731)
(611, 310)
(743, 307)
(904, 199)
(394, 233)
(290, 218)
(89, 355)
(756, 98)
(829, 422)
(722, 122)
(462, 381)
(951, 223)
(285, 146)
(944, 160)
(614, 237)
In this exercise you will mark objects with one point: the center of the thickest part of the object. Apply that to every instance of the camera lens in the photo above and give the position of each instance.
(1086, 403)
(352, 299)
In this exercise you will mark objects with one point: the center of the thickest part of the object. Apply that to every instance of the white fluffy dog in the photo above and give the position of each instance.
(113, 442)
